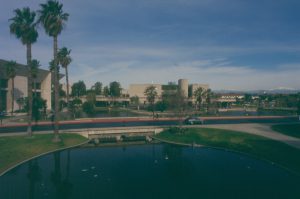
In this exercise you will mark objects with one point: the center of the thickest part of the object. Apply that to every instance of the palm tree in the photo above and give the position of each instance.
(199, 93)
(65, 59)
(11, 73)
(208, 95)
(23, 26)
(53, 20)
(151, 95)
(34, 66)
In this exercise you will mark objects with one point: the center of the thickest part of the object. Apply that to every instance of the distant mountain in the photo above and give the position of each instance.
(279, 90)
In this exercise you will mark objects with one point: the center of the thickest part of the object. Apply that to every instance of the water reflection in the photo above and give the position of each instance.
(148, 171)
(34, 176)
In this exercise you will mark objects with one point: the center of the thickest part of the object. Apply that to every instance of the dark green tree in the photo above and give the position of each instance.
(53, 21)
(11, 73)
(39, 108)
(115, 89)
(161, 106)
(23, 26)
(74, 107)
(151, 95)
(208, 97)
(97, 87)
(199, 94)
(65, 59)
(106, 91)
(78, 89)
(88, 107)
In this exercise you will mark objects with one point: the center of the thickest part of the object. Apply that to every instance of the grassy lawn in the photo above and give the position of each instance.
(288, 129)
(257, 146)
(15, 149)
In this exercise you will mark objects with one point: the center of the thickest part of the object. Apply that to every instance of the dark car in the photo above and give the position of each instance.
(3, 113)
(193, 120)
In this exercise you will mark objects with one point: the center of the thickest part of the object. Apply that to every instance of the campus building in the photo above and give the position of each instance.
(183, 85)
(42, 84)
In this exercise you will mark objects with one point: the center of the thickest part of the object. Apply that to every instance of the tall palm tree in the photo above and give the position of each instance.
(65, 59)
(23, 26)
(53, 20)
(34, 68)
(208, 95)
(11, 73)
(199, 94)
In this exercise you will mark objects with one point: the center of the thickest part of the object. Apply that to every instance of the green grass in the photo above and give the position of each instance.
(15, 149)
(288, 129)
(274, 151)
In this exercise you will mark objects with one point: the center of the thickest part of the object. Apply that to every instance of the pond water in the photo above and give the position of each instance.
(148, 171)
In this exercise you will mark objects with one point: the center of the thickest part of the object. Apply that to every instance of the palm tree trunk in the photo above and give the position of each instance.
(12, 95)
(67, 80)
(56, 87)
(34, 87)
(29, 95)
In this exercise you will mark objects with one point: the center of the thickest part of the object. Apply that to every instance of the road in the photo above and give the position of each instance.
(129, 122)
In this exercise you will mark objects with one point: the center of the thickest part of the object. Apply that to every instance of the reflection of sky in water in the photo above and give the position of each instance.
(148, 171)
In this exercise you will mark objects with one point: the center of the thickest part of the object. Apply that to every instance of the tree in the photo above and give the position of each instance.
(74, 107)
(115, 89)
(106, 91)
(34, 66)
(11, 73)
(91, 96)
(151, 95)
(53, 20)
(39, 106)
(62, 93)
(199, 95)
(161, 106)
(21, 102)
(180, 104)
(23, 26)
(97, 87)
(135, 100)
(248, 98)
(88, 107)
(298, 106)
(78, 89)
(208, 97)
(65, 59)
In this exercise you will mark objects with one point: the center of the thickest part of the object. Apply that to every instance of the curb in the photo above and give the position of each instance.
(42, 154)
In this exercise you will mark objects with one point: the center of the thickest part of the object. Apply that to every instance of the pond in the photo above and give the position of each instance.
(148, 171)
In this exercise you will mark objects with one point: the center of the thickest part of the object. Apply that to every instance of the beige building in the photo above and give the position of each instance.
(42, 84)
(183, 85)
(139, 90)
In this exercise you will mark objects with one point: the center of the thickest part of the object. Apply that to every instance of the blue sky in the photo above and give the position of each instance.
(229, 44)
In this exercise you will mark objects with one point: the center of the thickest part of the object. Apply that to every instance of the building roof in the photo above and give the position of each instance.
(21, 70)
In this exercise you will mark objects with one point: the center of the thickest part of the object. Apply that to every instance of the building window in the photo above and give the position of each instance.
(36, 85)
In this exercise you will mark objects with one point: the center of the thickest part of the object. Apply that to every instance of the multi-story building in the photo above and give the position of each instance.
(183, 85)
(42, 86)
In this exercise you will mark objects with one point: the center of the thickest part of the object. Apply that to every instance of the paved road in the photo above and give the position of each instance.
(129, 122)
(259, 129)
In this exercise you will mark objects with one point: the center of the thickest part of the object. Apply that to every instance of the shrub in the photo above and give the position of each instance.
(88, 108)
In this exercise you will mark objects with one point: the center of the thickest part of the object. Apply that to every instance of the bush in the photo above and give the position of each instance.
(177, 130)
(88, 108)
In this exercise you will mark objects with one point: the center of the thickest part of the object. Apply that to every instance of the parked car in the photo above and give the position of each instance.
(3, 113)
(193, 120)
